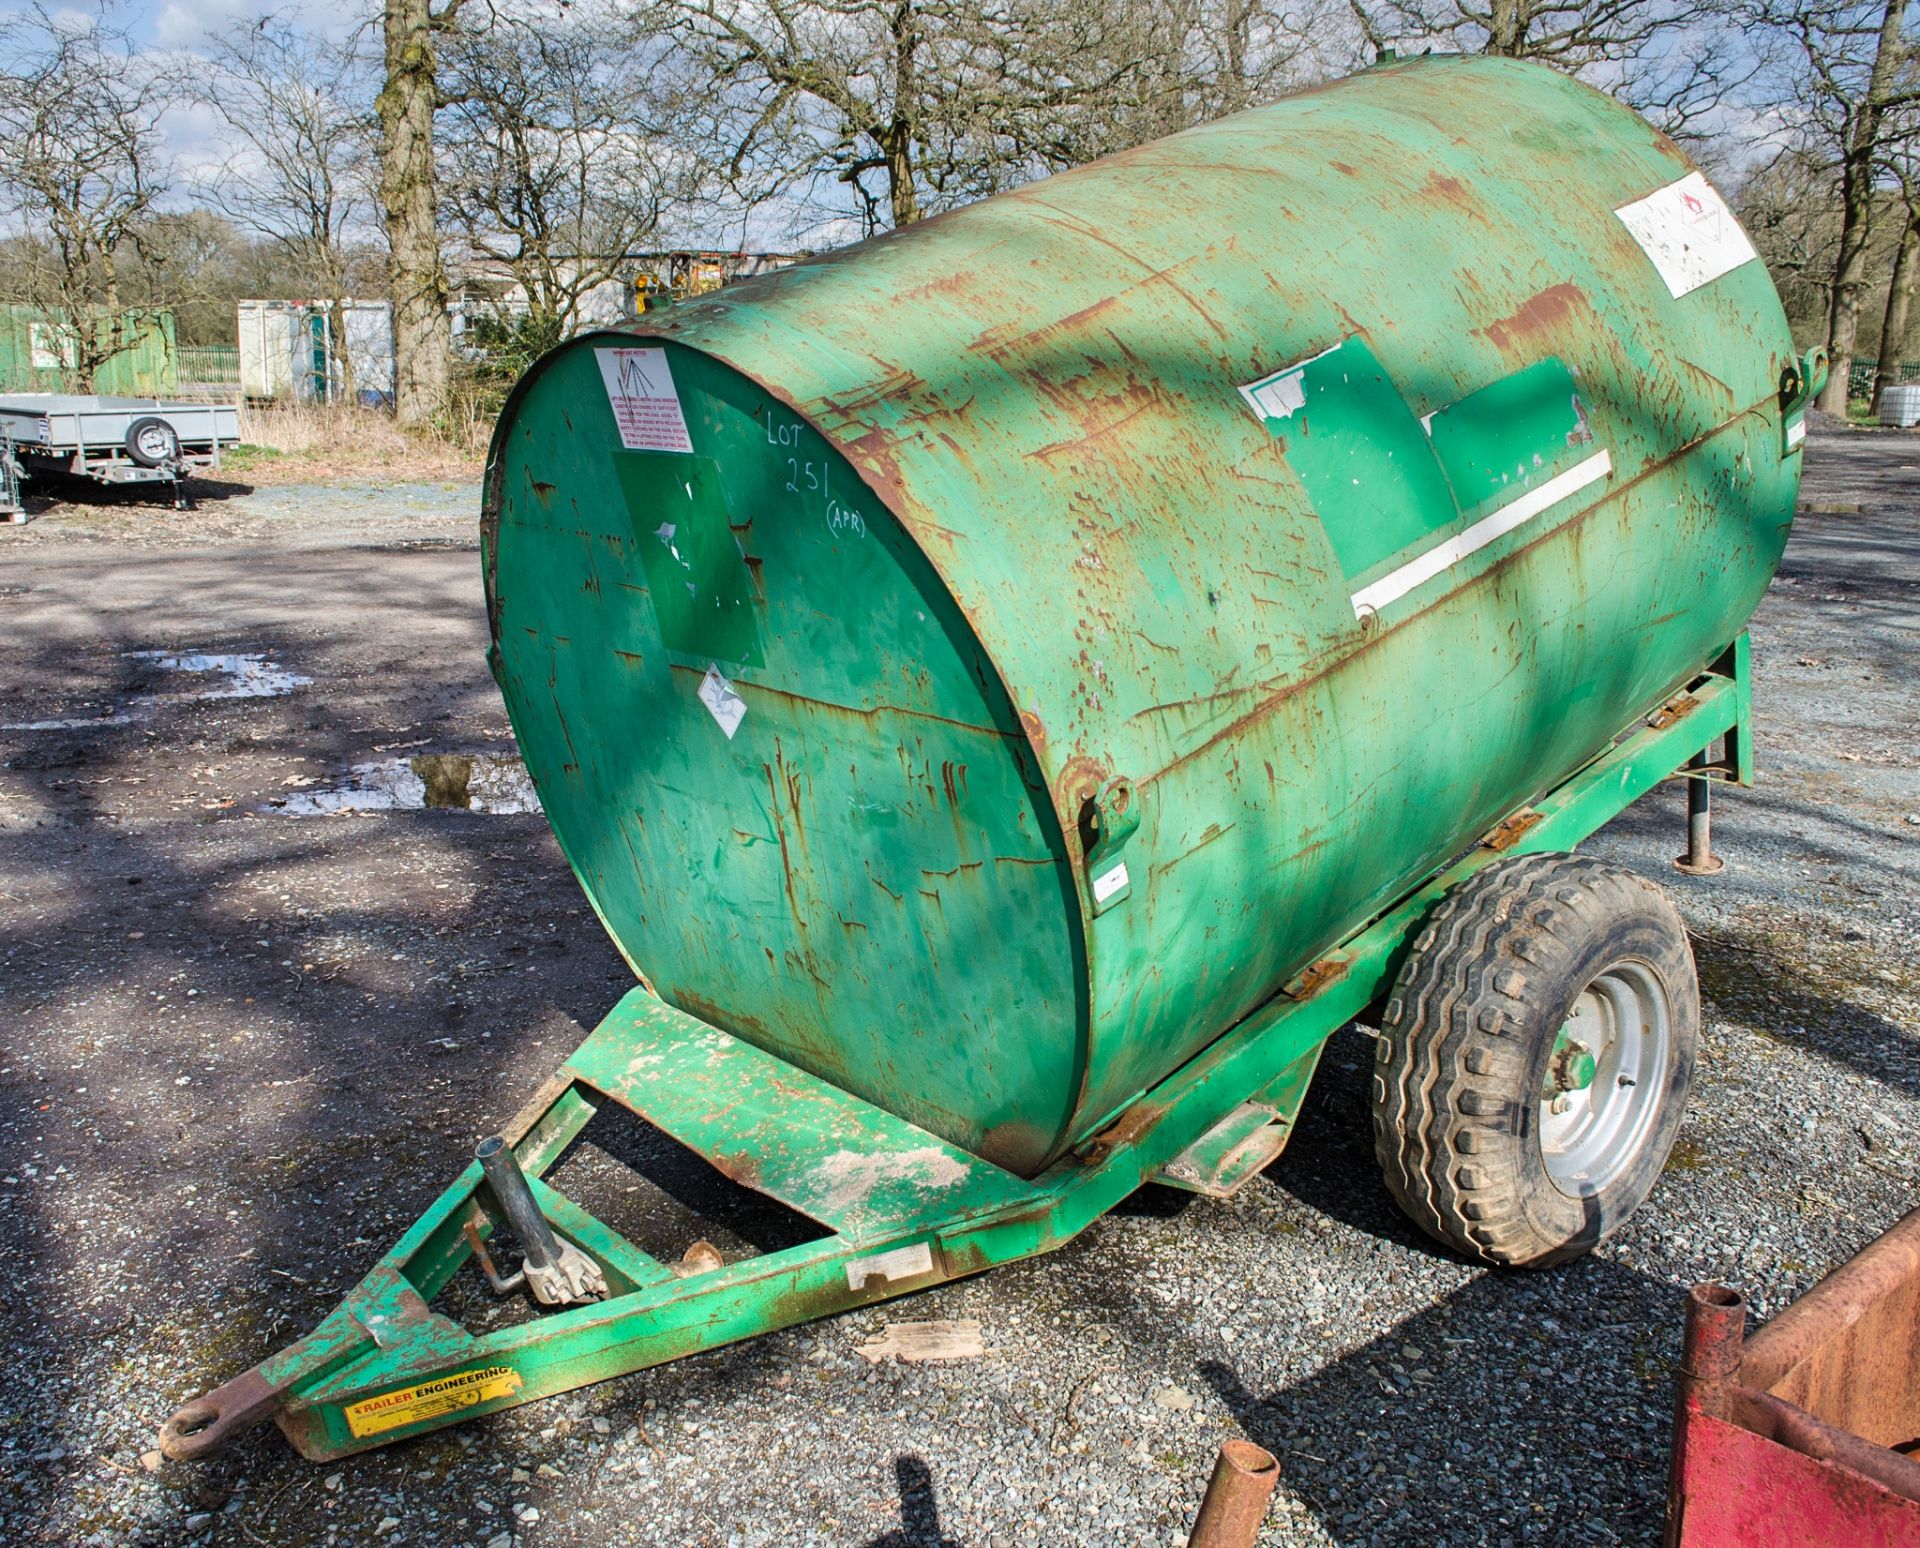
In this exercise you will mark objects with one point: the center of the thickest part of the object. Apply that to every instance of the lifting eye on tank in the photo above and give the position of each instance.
(1107, 819)
(1107, 816)
(1802, 379)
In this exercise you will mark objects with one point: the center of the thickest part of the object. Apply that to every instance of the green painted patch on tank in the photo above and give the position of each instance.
(1356, 447)
(698, 575)
(867, 865)
(1384, 484)
(1510, 436)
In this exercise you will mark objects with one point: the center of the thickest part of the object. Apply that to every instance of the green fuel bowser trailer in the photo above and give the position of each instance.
(1015, 687)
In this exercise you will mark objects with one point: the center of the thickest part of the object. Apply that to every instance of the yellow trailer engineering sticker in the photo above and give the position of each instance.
(431, 1399)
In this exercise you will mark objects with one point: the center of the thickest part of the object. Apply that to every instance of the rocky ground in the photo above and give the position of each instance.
(241, 1049)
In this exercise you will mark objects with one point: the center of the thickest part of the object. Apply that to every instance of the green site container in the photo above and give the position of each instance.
(983, 665)
(37, 355)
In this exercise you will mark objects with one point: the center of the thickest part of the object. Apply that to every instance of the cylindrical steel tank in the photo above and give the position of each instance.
(982, 664)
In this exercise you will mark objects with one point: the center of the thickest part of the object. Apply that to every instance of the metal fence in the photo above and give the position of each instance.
(1860, 377)
(209, 371)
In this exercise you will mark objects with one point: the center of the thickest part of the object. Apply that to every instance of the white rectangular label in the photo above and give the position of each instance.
(1107, 883)
(726, 706)
(1796, 433)
(645, 405)
(1688, 232)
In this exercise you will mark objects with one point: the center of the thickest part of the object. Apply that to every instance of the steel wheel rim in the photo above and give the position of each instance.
(156, 442)
(1624, 1018)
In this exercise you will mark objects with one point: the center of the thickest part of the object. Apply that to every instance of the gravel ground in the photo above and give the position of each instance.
(241, 1050)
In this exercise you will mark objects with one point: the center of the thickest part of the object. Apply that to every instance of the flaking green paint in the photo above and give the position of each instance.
(1035, 590)
(1008, 511)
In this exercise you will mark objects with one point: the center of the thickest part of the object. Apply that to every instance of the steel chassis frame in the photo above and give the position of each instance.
(904, 1209)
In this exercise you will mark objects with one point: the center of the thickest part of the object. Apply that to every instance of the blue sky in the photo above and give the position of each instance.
(194, 130)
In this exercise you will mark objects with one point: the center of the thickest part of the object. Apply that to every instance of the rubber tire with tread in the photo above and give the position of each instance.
(1466, 1036)
(145, 459)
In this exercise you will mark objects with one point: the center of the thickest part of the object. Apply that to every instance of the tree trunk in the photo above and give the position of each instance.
(1893, 326)
(1856, 209)
(1507, 28)
(1849, 272)
(1239, 23)
(422, 335)
(96, 338)
(896, 140)
(905, 201)
(337, 332)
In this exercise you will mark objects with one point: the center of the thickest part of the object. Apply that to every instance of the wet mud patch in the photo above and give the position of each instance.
(242, 675)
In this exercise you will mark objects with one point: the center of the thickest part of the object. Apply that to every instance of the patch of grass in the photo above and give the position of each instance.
(314, 443)
(246, 457)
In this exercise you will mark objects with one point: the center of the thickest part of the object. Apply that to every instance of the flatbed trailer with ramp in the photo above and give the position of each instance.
(110, 440)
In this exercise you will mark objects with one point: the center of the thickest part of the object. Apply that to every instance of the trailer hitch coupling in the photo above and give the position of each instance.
(557, 1272)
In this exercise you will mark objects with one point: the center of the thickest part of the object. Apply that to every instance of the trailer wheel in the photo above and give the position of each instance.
(153, 443)
(1535, 1057)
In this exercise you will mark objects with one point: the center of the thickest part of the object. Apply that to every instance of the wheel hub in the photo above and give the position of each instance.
(1605, 1079)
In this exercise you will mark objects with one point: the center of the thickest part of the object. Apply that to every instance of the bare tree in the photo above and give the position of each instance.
(1161, 66)
(553, 163)
(1856, 71)
(302, 135)
(910, 106)
(81, 166)
(410, 97)
(1789, 207)
(1568, 33)
(1903, 167)
(1675, 61)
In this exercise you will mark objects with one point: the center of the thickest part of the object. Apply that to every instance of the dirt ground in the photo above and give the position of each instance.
(240, 1050)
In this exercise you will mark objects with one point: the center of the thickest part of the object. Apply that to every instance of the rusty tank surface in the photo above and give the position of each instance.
(982, 665)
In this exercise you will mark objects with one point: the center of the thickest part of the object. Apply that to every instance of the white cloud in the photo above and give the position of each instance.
(187, 26)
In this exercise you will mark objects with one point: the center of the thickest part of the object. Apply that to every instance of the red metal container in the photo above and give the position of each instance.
(1806, 1433)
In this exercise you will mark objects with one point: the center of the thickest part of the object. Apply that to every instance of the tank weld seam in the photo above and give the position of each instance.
(867, 714)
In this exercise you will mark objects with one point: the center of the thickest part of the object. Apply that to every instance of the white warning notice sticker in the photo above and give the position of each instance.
(645, 405)
(1688, 232)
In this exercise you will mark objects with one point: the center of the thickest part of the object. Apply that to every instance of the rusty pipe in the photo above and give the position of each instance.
(1235, 1504)
(1787, 1424)
(1711, 1347)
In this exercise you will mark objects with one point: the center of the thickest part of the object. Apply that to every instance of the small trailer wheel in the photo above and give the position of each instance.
(1535, 1057)
(153, 443)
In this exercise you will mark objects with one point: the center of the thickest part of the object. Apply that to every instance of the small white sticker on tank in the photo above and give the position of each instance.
(1796, 433)
(1279, 395)
(1108, 882)
(1688, 232)
(726, 706)
(645, 405)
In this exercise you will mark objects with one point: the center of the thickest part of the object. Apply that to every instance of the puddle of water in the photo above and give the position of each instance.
(495, 784)
(249, 675)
